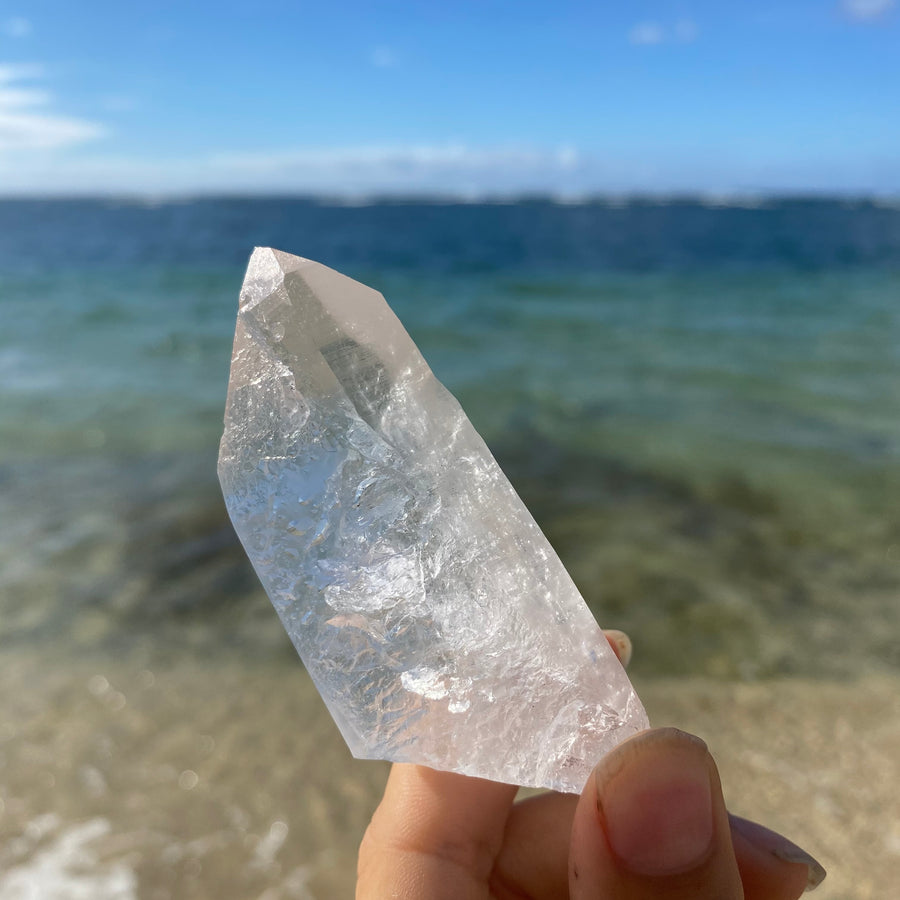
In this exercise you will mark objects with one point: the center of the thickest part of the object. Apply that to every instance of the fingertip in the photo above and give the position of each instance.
(621, 645)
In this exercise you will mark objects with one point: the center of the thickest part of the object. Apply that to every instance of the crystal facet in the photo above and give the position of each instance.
(431, 612)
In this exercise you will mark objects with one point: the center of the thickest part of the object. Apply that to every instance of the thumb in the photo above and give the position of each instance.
(651, 823)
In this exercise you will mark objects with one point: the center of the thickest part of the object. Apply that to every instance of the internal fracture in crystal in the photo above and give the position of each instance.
(431, 612)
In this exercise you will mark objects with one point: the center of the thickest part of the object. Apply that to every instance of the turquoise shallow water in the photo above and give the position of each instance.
(699, 404)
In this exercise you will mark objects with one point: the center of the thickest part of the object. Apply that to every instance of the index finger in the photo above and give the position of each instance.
(435, 835)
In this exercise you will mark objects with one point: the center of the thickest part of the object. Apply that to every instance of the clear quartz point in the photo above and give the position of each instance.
(433, 615)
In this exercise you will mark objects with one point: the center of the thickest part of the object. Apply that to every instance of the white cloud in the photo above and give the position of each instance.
(452, 169)
(385, 156)
(867, 10)
(20, 71)
(647, 33)
(568, 157)
(685, 31)
(17, 27)
(26, 124)
(383, 57)
(18, 98)
(650, 33)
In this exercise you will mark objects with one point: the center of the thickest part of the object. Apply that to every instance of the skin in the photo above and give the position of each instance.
(650, 823)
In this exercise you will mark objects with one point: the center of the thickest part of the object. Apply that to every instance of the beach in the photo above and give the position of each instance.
(194, 778)
(698, 402)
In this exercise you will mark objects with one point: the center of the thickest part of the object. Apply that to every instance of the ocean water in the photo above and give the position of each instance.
(699, 403)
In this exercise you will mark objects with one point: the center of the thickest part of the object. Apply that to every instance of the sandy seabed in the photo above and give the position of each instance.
(192, 778)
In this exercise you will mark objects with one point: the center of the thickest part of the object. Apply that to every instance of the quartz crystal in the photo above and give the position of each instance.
(431, 612)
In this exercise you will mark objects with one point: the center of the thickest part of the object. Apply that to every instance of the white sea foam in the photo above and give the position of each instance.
(68, 867)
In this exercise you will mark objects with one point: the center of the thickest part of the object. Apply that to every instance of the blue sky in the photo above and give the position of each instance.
(453, 96)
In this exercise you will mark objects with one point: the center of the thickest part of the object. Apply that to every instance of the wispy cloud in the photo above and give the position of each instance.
(685, 30)
(458, 170)
(452, 168)
(383, 57)
(647, 33)
(26, 121)
(432, 167)
(17, 27)
(867, 10)
(403, 156)
(650, 33)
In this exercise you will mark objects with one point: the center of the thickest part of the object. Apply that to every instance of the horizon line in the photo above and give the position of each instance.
(750, 198)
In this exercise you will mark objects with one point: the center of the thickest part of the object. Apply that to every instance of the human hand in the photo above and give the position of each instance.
(650, 823)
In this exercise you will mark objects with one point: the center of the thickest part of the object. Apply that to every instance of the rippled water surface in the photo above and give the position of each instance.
(698, 403)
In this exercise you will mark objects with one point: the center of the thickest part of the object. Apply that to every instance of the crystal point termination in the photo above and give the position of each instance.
(431, 612)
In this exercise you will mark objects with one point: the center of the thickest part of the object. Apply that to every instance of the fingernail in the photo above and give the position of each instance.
(656, 807)
(780, 847)
(621, 643)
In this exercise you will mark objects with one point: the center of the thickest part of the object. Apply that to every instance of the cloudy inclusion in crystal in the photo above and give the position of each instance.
(436, 620)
